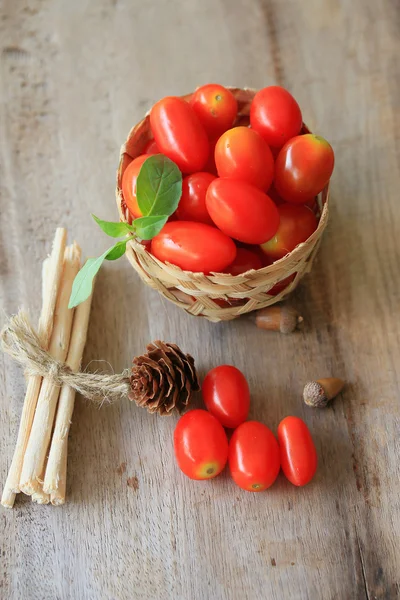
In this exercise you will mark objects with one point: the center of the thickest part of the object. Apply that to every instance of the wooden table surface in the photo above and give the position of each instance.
(75, 76)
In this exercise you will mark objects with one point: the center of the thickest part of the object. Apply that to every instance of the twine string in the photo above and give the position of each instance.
(21, 342)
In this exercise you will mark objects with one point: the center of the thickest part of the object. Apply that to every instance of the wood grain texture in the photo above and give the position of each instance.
(74, 77)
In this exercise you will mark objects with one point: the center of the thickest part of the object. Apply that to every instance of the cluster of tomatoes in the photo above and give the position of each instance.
(248, 191)
(255, 457)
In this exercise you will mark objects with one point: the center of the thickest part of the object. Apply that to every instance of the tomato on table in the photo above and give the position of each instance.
(303, 168)
(298, 453)
(192, 205)
(216, 108)
(179, 134)
(226, 395)
(275, 114)
(242, 211)
(246, 260)
(151, 148)
(129, 179)
(200, 445)
(254, 459)
(296, 224)
(194, 247)
(241, 153)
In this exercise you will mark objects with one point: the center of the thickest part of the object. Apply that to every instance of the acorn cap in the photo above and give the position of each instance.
(318, 393)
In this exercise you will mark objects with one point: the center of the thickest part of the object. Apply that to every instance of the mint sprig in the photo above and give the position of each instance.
(158, 191)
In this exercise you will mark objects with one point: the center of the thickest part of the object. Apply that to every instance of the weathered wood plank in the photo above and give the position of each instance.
(74, 77)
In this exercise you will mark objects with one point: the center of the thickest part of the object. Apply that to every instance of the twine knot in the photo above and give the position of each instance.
(20, 340)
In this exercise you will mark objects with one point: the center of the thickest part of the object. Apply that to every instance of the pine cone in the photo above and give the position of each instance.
(163, 378)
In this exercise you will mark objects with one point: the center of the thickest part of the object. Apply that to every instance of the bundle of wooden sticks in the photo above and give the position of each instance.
(39, 464)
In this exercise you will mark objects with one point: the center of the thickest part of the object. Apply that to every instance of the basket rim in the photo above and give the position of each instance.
(229, 279)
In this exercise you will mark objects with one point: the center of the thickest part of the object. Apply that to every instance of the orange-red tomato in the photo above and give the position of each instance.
(216, 108)
(298, 453)
(254, 459)
(245, 260)
(275, 114)
(194, 247)
(192, 205)
(242, 211)
(281, 285)
(129, 184)
(296, 224)
(151, 148)
(226, 395)
(200, 445)
(241, 153)
(303, 168)
(179, 133)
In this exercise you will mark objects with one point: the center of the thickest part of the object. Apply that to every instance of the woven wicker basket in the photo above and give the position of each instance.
(218, 297)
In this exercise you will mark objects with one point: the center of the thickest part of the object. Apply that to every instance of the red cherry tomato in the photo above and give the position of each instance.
(241, 153)
(151, 148)
(192, 205)
(303, 168)
(273, 194)
(226, 395)
(179, 134)
(281, 285)
(298, 453)
(200, 444)
(254, 459)
(296, 224)
(245, 260)
(275, 114)
(194, 247)
(216, 108)
(129, 184)
(242, 211)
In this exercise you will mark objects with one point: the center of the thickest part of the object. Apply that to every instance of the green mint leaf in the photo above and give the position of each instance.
(112, 229)
(158, 186)
(83, 282)
(147, 227)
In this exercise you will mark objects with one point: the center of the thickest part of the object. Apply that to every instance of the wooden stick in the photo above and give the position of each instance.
(40, 496)
(47, 402)
(56, 472)
(32, 392)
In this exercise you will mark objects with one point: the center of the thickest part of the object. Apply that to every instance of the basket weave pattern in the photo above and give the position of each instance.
(218, 297)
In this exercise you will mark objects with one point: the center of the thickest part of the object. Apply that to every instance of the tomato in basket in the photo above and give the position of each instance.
(245, 260)
(129, 184)
(192, 205)
(242, 211)
(297, 223)
(216, 108)
(179, 134)
(242, 154)
(275, 114)
(194, 247)
(303, 168)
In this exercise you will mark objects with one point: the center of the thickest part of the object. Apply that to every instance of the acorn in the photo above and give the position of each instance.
(278, 318)
(318, 393)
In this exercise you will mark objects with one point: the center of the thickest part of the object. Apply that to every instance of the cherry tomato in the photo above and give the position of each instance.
(200, 444)
(296, 224)
(192, 205)
(241, 153)
(273, 194)
(216, 108)
(298, 453)
(194, 247)
(303, 168)
(254, 459)
(151, 148)
(242, 211)
(245, 260)
(179, 134)
(129, 184)
(275, 114)
(281, 285)
(226, 395)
